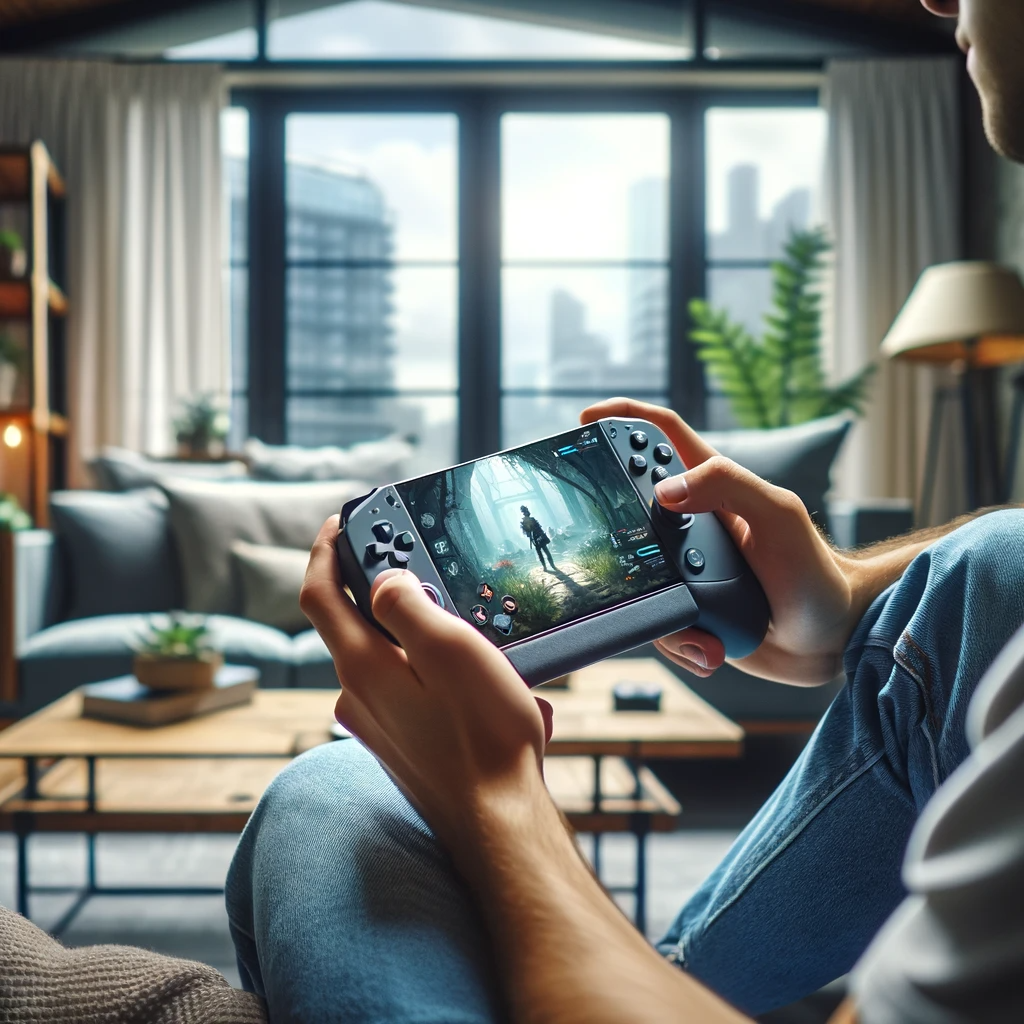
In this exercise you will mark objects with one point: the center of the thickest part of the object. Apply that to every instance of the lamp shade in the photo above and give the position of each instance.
(972, 311)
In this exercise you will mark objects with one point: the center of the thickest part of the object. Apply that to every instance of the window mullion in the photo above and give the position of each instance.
(479, 279)
(687, 254)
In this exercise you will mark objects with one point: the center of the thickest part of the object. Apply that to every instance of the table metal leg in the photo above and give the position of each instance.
(596, 859)
(21, 855)
(640, 830)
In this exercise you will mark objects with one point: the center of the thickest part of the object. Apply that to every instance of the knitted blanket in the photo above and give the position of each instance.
(42, 982)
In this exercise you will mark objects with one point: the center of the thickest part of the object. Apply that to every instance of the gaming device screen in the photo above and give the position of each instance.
(540, 536)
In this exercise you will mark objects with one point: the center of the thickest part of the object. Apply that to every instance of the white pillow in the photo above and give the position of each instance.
(270, 579)
(378, 462)
(207, 518)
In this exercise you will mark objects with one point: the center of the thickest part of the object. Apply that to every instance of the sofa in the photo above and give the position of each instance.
(84, 592)
(234, 548)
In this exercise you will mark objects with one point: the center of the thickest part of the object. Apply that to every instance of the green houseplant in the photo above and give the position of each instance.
(12, 359)
(778, 380)
(13, 258)
(12, 516)
(203, 425)
(177, 654)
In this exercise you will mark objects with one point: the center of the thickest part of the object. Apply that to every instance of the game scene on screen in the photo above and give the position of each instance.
(540, 536)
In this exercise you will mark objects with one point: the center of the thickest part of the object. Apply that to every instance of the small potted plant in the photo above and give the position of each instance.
(203, 426)
(12, 357)
(13, 258)
(178, 655)
(12, 516)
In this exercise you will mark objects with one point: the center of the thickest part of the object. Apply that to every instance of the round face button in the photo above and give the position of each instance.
(638, 439)
(663, 454)
(658, 474)
(637, 464)
(695, 559)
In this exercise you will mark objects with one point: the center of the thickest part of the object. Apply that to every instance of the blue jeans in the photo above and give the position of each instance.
(343, 906)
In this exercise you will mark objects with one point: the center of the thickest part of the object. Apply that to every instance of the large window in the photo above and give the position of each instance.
(472, 277)
(584, 296)
(764, 175)
(371, 270)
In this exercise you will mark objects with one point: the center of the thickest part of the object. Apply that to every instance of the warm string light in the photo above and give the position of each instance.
(12, 435)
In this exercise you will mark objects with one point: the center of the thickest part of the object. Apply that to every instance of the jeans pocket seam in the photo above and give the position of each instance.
(789, 840)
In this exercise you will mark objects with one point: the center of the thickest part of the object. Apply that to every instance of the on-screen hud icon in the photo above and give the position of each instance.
(502, 623)
(479, 614)
(485, 591)
(509, 605)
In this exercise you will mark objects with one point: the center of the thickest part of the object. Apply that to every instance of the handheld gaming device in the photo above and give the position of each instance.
(558, 552)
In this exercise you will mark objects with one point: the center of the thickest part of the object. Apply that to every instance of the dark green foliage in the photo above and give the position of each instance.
(779, 380)
(183, 636)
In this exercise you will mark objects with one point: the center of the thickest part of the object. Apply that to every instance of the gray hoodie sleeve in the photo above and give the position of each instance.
(954, 950)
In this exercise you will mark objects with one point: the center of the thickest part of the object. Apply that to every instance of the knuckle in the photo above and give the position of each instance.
(788, 501)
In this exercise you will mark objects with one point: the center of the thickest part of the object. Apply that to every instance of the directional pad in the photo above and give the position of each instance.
(405, 541)
(398, 560)
(377, 552)
(383, 531)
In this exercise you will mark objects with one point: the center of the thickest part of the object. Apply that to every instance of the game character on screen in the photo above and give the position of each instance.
(539, 540)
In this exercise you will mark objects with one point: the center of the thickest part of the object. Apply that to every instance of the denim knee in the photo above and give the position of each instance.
(933, 634)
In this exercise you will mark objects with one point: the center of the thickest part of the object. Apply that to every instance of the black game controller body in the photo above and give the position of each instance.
(718, 592)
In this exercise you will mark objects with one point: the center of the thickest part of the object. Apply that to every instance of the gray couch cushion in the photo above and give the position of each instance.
(270, 579)
(64, 656)
(798, 458)
(117, 550)
(313, 667)
(207, 518)
(118, 469)
(378, 462)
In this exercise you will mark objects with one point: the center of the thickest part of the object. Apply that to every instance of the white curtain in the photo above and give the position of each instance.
(139, 147)
(894, 183)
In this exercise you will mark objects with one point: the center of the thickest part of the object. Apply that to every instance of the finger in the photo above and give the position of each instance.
(324, 601)
(721, 485)
(696, 645)
(677, 659)
(547, 712)
(692, 448)
(432, 638)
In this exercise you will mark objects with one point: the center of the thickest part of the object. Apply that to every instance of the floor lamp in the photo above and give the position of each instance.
(969, 316)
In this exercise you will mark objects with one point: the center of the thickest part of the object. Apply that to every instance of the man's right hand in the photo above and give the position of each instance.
(814, 592)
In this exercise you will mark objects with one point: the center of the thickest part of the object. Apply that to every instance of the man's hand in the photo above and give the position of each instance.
(814, 598)
(446, 713)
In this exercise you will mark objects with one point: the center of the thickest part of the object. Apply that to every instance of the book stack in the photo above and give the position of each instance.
(126, 700)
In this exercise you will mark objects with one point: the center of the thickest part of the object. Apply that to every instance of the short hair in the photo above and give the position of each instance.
(523, 508)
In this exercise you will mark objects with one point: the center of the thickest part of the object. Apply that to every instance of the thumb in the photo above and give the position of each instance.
(432, 639)
(721, 485)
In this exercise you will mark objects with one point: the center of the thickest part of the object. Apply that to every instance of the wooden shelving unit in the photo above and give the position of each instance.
(37, 464)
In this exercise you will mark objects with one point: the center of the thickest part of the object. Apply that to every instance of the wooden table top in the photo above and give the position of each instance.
(284, 723)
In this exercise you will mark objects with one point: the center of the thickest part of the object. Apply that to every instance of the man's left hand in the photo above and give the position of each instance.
(446, 713)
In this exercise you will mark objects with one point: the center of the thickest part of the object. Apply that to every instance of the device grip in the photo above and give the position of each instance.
(736, 611)
(582, 643)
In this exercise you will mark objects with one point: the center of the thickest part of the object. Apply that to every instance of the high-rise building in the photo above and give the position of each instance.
(339, 330)
(578, 358)
(648, 291)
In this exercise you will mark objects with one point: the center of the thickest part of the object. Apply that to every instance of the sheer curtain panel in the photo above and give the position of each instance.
(139, 147)
(894, 177)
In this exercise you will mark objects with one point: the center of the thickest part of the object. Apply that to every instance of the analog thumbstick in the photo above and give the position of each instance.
(676, 520)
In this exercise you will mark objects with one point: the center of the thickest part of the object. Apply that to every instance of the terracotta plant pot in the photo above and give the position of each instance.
(177, 673)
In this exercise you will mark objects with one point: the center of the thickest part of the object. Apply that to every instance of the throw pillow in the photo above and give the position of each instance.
(119, 552)
(377, 462)
(798, 458)
(118, 469)
(207, 518)
(270, 579)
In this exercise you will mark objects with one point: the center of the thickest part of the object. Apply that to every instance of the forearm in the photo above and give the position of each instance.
(566, 952)
(870, 570)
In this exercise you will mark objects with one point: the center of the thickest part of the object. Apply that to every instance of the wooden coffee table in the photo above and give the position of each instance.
(60, 772)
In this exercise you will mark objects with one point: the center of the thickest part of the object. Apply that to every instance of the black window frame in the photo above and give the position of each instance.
(479, 109)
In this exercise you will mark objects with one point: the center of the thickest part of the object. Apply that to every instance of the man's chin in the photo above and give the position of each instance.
(1005, 131)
